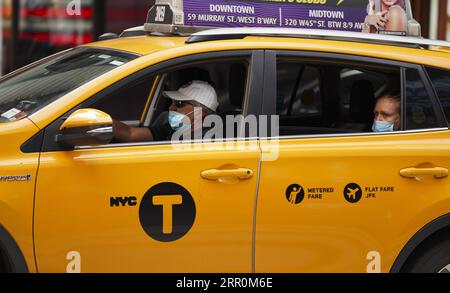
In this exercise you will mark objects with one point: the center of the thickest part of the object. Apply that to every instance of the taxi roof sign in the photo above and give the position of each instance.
(190, 16)
(167, 16)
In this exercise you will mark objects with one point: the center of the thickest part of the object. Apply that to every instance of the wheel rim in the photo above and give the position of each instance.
(445, 270)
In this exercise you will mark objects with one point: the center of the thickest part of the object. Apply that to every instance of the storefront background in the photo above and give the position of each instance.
(33, 29)
(448, 22)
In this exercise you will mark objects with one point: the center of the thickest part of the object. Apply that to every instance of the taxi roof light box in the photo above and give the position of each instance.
(186, 17)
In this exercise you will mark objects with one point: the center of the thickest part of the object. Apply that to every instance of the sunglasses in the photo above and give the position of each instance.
(181, 104)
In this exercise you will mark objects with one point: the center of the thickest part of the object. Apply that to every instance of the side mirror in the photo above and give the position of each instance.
(86, 127)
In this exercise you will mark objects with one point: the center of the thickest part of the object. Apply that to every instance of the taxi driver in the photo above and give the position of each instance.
(190, 97)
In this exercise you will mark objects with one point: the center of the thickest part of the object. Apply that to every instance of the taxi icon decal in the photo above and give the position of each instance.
(167, 212)
(295, 194)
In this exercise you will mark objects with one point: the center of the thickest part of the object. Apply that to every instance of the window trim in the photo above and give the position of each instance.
(293, 137)
(403, 95)
(358, 134)
(433, 89)
(270, 66)
(152, 106)
(351, 58)
(433, 95)
(166, 143)
(254, 103)
(149, 98)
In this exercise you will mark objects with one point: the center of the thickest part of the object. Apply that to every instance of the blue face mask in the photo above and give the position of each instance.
(176, 120)
(382, 126)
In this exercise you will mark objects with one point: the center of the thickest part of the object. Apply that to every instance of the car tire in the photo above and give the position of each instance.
(433, 257)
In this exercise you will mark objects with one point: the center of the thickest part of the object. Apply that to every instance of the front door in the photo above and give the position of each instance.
(153, 207)
(145, 209)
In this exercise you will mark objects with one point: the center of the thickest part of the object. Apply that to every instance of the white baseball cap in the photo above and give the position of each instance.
(199, 91)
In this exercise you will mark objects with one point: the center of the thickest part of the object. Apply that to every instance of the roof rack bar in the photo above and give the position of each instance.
(226, 33)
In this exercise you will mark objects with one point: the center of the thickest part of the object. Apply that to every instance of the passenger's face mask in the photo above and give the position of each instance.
(382, 126)
(177, 120)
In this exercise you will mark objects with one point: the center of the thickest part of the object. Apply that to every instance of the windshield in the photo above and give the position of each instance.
(28, 91)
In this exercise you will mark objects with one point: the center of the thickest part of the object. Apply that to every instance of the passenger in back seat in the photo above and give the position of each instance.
(387, 117)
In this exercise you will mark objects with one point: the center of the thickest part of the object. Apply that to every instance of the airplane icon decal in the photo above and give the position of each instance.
(353, 193)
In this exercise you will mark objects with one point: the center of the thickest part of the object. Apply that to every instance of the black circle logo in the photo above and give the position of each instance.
(352, 192)
(167, 212)
(295, 194)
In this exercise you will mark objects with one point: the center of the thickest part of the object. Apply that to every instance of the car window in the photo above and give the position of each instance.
(420, 112)
(28, 91)
(348, 77)
(227, 77)
(299, 90)
(441, 82)
(147, 95)
(327, 97)
(128, 103)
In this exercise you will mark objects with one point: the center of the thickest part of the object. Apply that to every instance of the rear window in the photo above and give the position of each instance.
(441, 82)
(26, 92)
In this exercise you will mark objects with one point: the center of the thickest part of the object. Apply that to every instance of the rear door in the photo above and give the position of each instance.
(334, 200)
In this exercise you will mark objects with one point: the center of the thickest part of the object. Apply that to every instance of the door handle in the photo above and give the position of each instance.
(215, 174)
(437, 172)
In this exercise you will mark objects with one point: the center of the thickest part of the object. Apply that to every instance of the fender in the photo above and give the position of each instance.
(14, 258)
(417, 239)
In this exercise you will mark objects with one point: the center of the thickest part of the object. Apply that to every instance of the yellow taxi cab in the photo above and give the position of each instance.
(337, 197)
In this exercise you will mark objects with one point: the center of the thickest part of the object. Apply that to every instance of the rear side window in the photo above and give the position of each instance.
(420, 112)
(441, 82)
(317, 97)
